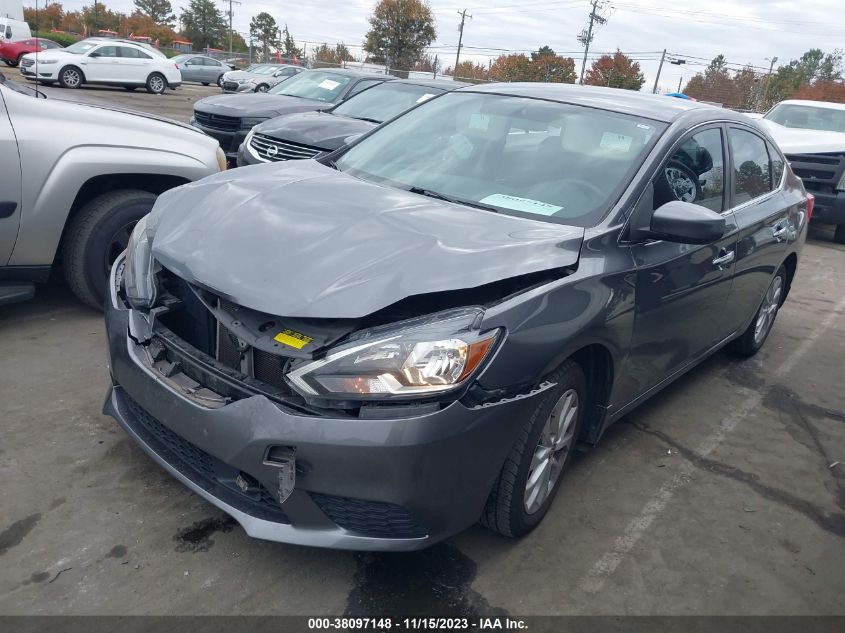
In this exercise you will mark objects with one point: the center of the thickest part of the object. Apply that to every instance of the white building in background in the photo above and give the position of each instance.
(11, 9)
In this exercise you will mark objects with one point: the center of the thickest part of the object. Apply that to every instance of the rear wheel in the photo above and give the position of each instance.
(156, 84)
(753, 338)
(97, 235)
(533, 470)
(71, 77)
(839, 234)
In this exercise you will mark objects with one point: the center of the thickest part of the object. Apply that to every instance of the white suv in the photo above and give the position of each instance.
(103, 61)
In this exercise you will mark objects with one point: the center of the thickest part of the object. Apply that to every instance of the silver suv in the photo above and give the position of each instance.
(75, 180)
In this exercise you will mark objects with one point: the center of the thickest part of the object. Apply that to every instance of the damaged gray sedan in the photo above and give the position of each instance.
(376, 349)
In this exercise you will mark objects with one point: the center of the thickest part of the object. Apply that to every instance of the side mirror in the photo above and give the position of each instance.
(686, 223)
(94, 54)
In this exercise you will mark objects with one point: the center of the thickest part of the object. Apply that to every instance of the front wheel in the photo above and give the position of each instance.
(839, 234)
(532, 472)
(206, 83)
(220, 81)
(156, 84)
(756, 334)
(97, 235)
(17, 62)
(262, 88)
(70, 77)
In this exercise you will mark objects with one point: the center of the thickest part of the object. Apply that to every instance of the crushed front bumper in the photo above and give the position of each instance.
(399, 483)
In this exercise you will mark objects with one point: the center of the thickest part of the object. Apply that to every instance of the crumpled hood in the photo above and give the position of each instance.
(257, 104)
(801, 141)
(301, 239)
(316, 129)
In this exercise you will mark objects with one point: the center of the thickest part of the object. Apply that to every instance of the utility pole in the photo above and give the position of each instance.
(463, 15)
(679, 83)
(659, 69)
(768, 80)
(231, 2)
(586, 36)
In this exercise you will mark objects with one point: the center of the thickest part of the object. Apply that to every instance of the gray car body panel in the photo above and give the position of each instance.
(94, 141)
(257, 105)
(375, 240)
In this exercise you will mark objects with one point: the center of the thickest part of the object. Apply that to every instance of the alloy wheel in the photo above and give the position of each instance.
(553, 448)
(769, 310)
(71, 78)
(157, 84)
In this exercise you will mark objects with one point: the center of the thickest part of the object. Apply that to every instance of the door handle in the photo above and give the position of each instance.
(724, 258)
(779, 232)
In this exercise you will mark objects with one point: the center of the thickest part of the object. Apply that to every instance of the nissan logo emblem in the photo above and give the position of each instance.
(272, 150)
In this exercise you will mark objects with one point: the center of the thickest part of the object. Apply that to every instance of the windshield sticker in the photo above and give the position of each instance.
(425, 97)
(521, 204)
(328, 84)
(615, 142)
(479, 122)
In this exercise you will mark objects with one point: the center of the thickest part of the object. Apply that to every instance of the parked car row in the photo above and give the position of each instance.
(258, 77)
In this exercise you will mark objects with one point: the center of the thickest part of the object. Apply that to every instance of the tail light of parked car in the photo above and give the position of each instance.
(811, 202)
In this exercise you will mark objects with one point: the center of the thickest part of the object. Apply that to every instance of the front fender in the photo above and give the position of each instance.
(47, 200)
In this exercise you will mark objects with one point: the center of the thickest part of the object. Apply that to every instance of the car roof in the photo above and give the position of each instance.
(350, 72)
(815, 104)
(444, 84)
(646, 105)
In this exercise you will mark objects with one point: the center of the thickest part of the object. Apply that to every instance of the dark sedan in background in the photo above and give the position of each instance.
(307, 134)
(378, 348)
(229, 118)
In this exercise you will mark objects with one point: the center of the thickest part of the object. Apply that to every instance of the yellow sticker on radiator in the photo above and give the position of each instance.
(294, 339)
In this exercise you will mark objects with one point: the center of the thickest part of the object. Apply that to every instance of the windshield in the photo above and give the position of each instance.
(80, 48)
(264, 70)
(807, 117)
(180, 58)
(511, 154)
(385, 101)
(320, 86)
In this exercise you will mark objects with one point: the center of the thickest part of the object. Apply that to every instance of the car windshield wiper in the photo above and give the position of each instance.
(368, 119)
(439, 196)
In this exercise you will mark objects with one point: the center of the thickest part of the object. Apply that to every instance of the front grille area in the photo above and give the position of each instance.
(230, 86)
(204, 470)
(26, 63)
(217, 121)
(369, 518)
(820, 172)
(273, 149)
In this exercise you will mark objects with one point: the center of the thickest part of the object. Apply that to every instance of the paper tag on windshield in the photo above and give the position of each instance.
(615, 142)
(521, 204)
(425, 97)
(479, 122)
(328, 84)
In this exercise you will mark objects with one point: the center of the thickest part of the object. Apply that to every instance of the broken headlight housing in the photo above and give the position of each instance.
(139, 280)
(416, 358)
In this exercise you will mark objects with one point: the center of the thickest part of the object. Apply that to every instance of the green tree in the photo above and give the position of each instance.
(325, 55)
(468, 71)
(263, 28)
(616, 71)
(399, 32)
(289, 48)
(714, 84)
(204, 25)
(546, 66)
(543, 51)
(159, 10)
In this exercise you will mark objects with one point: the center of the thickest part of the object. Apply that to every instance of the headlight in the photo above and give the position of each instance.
(222, 163)
(251, 122)
(45, 62)
(245, 81)
(139, 276)
(841, 185)
(419, 357)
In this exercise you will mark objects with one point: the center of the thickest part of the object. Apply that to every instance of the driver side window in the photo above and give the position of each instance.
(694, 173)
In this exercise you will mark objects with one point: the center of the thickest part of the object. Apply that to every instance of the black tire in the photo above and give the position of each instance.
(262, 88)
(96, 236)
(130, 88)
(8, 63)
(220, 81)
(156, 84)
(750, 342)
(839, 234)
(17, 62)
(505, 511)
(681, 185)
(206, 83)
(71, 77)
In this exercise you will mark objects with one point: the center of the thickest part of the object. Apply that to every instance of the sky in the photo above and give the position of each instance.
(745, 31)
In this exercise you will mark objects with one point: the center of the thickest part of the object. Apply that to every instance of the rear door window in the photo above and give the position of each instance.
(777, 165)
(752, 176)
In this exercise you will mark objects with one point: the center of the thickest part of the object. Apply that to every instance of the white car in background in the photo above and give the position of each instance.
(103, 61)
